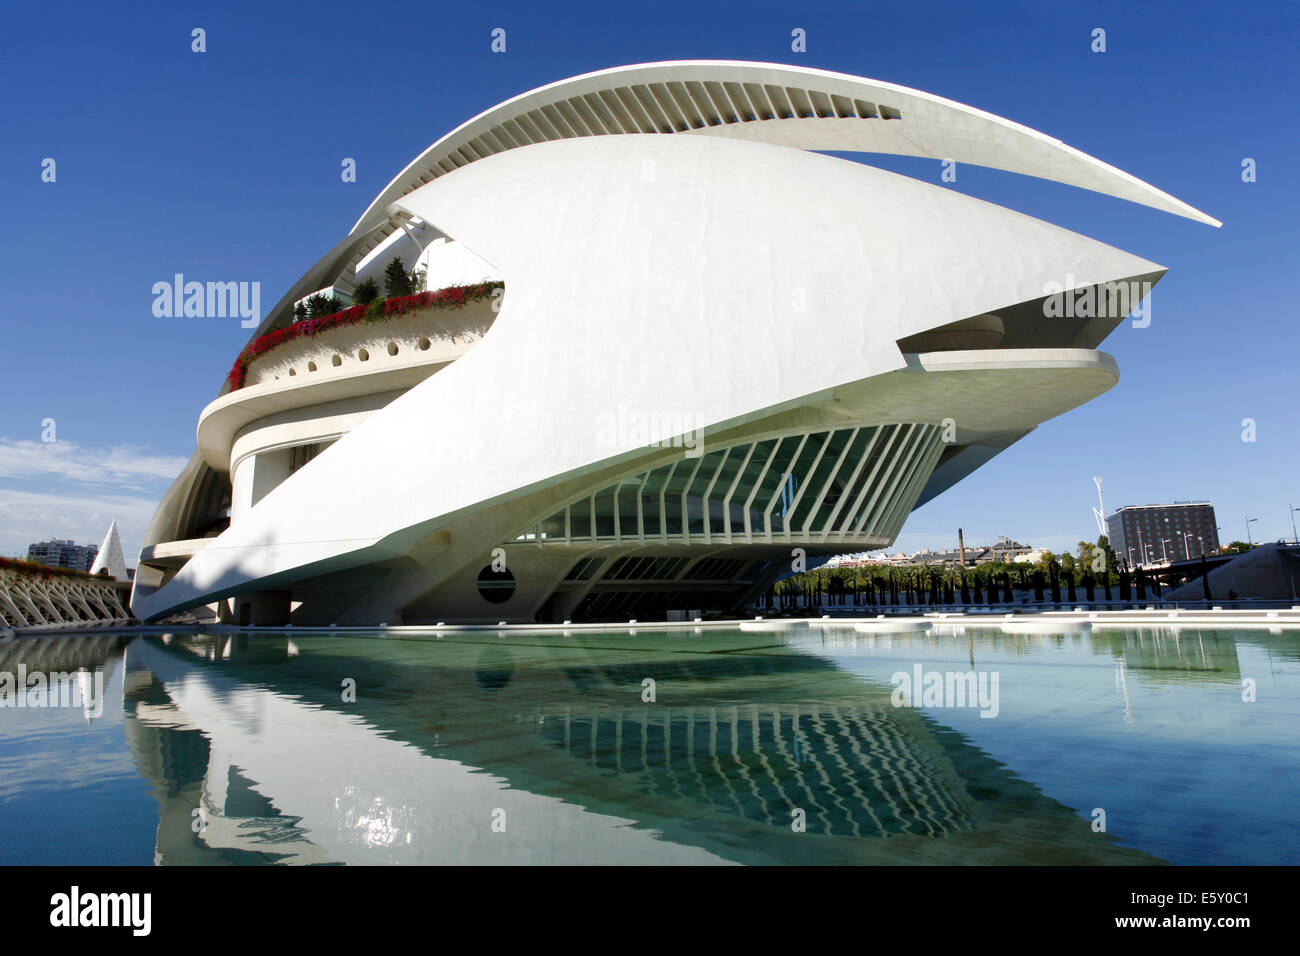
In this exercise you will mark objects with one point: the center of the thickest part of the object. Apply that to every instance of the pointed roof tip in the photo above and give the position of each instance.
(109, 557)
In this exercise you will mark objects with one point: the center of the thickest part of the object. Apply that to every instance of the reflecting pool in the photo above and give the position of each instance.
(959, 744)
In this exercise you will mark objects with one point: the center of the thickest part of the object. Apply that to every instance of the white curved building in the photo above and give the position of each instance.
(715, 345)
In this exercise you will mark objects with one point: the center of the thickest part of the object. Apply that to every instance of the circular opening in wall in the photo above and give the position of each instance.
(292, 372)
(424, 344)
(336, 361)
(392, 348)
(363, 355)
(495, 586)
(311, 366)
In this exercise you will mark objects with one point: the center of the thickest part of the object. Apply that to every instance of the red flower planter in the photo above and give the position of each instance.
(452, 297)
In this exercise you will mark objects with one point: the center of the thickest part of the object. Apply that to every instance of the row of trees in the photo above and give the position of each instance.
(398, 283)
(993, 583)
(1089, 575)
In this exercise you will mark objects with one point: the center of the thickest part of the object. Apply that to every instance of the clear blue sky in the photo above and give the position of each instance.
(225, 165)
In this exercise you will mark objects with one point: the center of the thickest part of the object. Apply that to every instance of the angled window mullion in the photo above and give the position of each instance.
(663, 505)
(803, 485)
(776, 495)
(920, 473)
(839, 463)
(640, 508)
(871, 487)
(898, 513)
(885, 463)
(726, 503)
(708, 493)
(618, 525)
(895, 512)
(857, 471)
(871, 518)
(906, 470)
(686, 489)
(749, 531)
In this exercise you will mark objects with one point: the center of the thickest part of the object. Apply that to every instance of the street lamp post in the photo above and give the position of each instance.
(1163, 542)
(1294, 540)
(1130, 557)
(1187, 543)
(1248, 538)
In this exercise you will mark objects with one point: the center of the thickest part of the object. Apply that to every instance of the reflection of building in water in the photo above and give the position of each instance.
(252, 751)
(852, 769)
(74, 669)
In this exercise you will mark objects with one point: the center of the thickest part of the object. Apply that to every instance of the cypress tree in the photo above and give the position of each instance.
(397, 281)
(365, 292)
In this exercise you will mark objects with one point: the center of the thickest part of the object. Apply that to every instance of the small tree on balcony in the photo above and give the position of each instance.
(397, 281)
(365, 292)
(299, 312)
(319, 306)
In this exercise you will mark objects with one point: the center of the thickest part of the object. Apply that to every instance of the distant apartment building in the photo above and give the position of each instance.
(1152, 534)
(63, 554)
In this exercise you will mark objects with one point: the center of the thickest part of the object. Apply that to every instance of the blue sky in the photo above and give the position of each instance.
(225, 166)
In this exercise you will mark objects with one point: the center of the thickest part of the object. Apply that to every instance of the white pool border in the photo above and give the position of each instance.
(1077, 619)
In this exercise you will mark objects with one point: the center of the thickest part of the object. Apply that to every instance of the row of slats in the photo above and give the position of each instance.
(673, 107)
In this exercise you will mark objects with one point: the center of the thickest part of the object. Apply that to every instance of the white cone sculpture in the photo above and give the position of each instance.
(110, 555)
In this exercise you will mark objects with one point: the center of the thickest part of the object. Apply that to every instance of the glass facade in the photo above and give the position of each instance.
(853, 484)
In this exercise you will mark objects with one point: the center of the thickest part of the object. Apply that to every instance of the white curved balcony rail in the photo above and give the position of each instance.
(430, 336)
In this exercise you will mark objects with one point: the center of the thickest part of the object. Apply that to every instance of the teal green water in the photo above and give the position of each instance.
(1107, 747)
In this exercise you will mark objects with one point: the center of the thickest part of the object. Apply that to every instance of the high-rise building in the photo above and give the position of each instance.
(1153, 534)
(62, 554)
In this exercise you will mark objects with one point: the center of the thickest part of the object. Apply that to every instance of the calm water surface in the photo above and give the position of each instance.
(756, 748)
